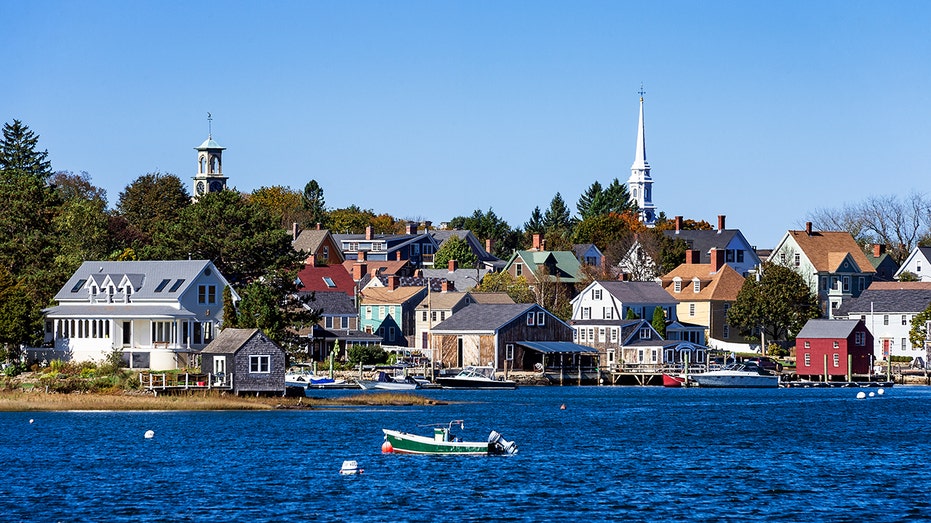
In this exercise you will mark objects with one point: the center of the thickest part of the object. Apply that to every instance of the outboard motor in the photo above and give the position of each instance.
(498, 445)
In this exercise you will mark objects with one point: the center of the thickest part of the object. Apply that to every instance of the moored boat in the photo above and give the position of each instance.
(386, 382)
(302, 376)
(444, 442)
(736, 375)
(475, 377)
(673, 380)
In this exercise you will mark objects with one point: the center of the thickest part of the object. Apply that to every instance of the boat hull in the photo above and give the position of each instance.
(733, 381)
(405, 443)
(673, 381)
(467, 383)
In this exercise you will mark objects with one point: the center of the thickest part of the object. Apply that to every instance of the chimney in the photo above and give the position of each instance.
(808, 228)
(397, 255)
(411, 228)
(359, 270)
(453, 265)
(537, 240)
(717, 259)
(368, 232)
(489, 244)
(393, 282)
(319, 226)
(418, 273)
(295, 231)
(448, 286)
(692, 257)
(720, 223)
(878, 250)
(678, 224)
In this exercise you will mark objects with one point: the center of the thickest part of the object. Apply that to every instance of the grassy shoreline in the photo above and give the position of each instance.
(35, 401)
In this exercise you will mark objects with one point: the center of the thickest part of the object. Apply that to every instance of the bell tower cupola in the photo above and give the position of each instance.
(209, 176)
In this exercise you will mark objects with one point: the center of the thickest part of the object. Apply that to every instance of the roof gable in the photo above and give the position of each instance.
(151, 280)
(825, 248)
(479, 317)
(821, 328)
(723, 285)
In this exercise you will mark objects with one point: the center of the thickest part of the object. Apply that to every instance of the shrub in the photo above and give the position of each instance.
(367, 355)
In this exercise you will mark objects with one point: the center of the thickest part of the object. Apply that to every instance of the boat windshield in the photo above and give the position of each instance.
(478, 372)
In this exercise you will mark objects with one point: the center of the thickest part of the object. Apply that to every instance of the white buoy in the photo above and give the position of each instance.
(149, 434)
(861, 395)
(31, 420)
(872, 394)
(881, 392)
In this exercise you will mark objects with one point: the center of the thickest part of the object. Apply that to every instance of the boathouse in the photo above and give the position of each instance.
(246, 359)
(833, 349)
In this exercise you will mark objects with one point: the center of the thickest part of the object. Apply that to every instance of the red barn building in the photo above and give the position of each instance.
(833, 348)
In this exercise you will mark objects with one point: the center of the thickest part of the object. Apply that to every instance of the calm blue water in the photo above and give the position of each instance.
(615, 453)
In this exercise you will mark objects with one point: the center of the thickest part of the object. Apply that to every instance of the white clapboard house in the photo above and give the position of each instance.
(159, 314)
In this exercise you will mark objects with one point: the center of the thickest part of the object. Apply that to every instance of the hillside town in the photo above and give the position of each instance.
(223, 283)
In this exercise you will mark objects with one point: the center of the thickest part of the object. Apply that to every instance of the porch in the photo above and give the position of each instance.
(164, 381)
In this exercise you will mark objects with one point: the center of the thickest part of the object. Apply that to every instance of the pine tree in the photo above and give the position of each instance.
(312, 200)
(558, 215)
(18, 152)
(590, 202)
(659, 321)
(535, 224)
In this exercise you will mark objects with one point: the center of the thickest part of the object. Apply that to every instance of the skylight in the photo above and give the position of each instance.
(329, 281)
(162, 285)
(176, 284)
(78, 285)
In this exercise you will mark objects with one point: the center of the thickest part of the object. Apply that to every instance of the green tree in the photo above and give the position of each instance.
(350, 220)
(19, 152)
(153, 201)
(517, 288)
(19, 321)
(489, 226)
(535, 224)
(366, 355)
(558, 216)
(918, 334)
(313, 202)
(779, 304)
(631, 315)
(455, 248)
(617, 199)
(282, 203)
(81, 225)
(590, 202)
(230, 316)
(659, 321)
(260, 309)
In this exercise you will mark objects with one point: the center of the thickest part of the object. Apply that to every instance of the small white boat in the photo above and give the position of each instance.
(350, 467)
(736, 375)
(303, 377)
(386, 382)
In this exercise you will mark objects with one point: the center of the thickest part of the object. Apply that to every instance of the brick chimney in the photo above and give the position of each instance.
(393, 282)
(397, 255)
(489, 244)
(319, 226)
(537, 241)
(359, 269)
(808, 228)
(411, 228)
(295, 231)
(448, 286)
(717, 259)
(678, 224)
(692, 257)
(453, 265)
(368, 232)
(720, 223)
(878, 250)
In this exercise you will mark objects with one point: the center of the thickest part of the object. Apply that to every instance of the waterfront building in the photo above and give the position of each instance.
(159, 314)
(831, 263)
(833, 349)
(887, 309)
(247, 360)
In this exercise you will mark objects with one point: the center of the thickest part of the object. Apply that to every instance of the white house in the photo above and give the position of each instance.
(917, 263)
(887, 310)
(158, 313)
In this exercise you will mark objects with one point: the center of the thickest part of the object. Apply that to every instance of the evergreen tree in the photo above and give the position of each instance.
(489, 226)
(312, 200)
(557, 217)
(918, 334)
(229, 309)
(18, 152)
(617, 198)
(152, 201)
(535, 224)
(659, 321)
(590, 202)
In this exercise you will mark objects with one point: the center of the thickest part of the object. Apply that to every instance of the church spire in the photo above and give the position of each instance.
(640, 183)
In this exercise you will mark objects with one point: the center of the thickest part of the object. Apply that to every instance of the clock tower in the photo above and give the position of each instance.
(209, 167)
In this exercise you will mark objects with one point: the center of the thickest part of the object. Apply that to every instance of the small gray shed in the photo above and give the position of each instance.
(246, 358)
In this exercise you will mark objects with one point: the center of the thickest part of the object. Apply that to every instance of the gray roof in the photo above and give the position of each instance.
(228, 341)
(333, 303)
(827, 329)
(145, 276)
(886, 301)
(441, 235)
(705, 240)
(463, 279)
(120, 310)
(639, 292)
(557, 347)
(483, 317)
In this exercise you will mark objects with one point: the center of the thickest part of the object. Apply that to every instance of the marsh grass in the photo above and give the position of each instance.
(37, 400)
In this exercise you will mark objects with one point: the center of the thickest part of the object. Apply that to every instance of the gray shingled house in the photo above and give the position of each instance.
(247, 359)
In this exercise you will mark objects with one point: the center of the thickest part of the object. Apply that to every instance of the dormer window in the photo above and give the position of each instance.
(677, 285)
(696, 285)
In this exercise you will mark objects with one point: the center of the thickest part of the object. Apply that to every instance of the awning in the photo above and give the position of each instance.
(557, 347)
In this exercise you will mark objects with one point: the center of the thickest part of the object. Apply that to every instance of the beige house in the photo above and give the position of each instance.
(705, 292)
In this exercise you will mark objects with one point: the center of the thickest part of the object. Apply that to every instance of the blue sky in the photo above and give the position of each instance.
(761, 111)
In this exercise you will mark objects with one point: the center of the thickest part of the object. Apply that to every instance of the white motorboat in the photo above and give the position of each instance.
(737, 375)
(386, 382)
(302, 376)
(475, 377)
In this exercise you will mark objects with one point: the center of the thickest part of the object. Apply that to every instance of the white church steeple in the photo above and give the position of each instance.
(640, 183)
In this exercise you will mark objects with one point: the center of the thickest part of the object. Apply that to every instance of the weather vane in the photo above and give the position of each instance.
(210, 128)
(641, 91)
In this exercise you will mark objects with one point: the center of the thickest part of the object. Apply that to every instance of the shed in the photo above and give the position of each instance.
(249, 359)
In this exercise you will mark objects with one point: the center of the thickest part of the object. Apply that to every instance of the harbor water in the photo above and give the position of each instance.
(613, 453)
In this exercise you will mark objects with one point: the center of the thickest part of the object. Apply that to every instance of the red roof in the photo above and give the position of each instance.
(319, 278)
